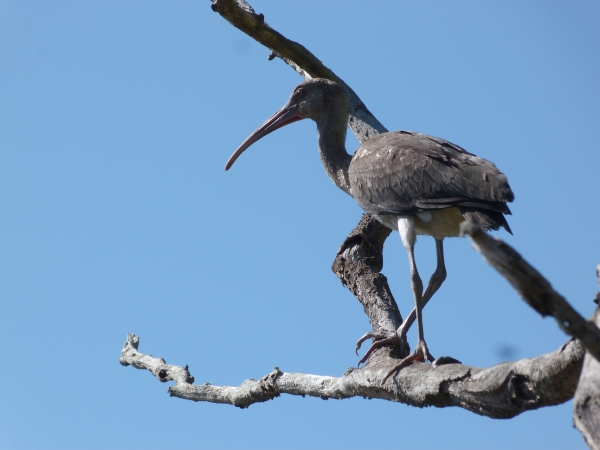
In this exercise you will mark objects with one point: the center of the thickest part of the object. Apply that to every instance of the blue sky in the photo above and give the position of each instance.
(116, 119)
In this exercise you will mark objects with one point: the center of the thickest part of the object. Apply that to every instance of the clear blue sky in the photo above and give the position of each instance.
(116, 119)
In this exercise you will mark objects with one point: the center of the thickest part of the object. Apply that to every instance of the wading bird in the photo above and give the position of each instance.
(413, 183)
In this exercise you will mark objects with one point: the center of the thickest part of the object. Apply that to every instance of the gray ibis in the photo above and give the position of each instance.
(413, 183)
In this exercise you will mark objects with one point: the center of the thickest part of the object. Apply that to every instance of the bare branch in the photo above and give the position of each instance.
(534, 288)
(587, 397)
(357, 265)
(502, 391)
(238, 13)
(159, 368)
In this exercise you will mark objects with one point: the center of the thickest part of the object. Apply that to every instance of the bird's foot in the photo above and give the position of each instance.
(420, 354)
(374, 336)
(382, 339)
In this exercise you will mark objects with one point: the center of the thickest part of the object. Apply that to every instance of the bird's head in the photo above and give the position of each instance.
(309, 100)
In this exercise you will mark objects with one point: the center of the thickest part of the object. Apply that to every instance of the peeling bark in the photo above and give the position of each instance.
(357, 265)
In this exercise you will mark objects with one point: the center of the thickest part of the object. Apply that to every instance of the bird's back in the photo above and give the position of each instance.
(404, 172)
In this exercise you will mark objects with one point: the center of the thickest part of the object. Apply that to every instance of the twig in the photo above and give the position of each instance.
(238, 13)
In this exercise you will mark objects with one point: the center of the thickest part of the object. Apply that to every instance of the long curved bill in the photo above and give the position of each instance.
(281, 118)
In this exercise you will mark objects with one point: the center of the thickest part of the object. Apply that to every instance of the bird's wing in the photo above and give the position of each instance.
(403, 172)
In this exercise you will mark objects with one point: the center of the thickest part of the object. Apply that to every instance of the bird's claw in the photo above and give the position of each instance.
(380, 340)
(370, 335)
(421, 354)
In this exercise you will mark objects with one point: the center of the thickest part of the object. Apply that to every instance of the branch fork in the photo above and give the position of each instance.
(501, 391)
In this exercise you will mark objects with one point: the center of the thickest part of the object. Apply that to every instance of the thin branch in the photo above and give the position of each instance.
(534, 288)
(241, 15)
(501, 391)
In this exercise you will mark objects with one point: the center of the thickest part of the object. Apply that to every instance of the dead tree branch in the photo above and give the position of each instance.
(534, 288)
(358, 265)
(241, 15)
(501, 391)
(587, 397)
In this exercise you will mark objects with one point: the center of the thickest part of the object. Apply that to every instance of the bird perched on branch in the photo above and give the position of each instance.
(413, 183)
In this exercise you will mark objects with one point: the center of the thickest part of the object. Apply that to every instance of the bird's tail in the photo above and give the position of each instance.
(489, 220)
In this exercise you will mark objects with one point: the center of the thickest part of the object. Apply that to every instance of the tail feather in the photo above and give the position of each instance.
(489, 220)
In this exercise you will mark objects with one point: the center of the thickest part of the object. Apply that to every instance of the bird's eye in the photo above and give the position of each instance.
(299, 93)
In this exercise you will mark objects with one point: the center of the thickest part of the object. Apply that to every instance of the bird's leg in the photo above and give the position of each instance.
(406, 227)
(436, 280)
(398, 338)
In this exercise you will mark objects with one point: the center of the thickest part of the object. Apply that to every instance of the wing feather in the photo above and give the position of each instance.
(402, 172)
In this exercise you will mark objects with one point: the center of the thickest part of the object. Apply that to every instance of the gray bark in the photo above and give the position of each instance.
(587, 396)
(501, 391)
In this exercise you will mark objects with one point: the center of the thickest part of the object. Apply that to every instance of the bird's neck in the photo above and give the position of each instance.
(331, 127)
